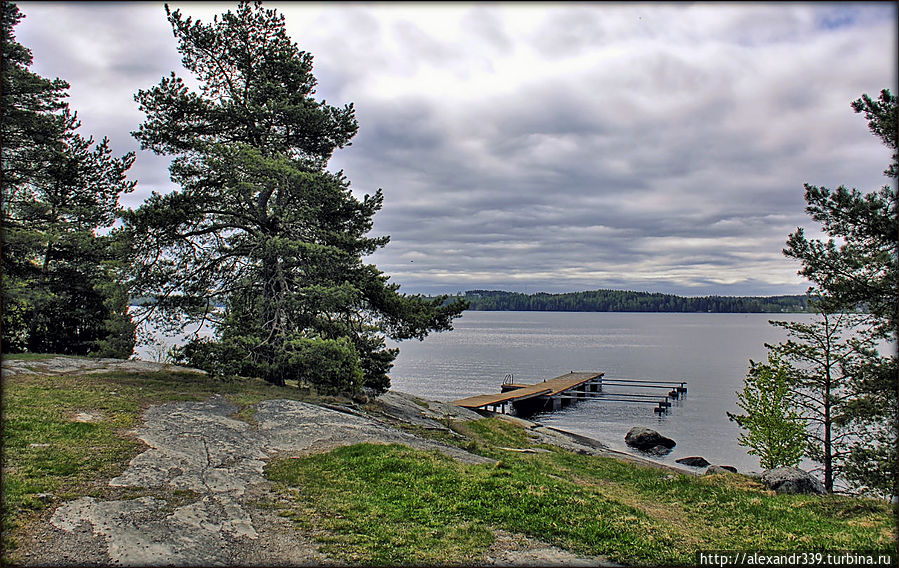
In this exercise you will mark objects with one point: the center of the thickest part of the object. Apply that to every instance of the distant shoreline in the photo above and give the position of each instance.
(630, 311)
(612, 301)
(624, 301)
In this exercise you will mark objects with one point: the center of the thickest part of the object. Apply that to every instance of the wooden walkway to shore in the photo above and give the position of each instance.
(553, 394)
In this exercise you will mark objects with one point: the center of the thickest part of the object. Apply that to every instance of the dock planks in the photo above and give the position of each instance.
(548, 388)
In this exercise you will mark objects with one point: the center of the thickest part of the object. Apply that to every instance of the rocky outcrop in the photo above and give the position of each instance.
(201, 448)
(792, 480)
(62, 365)
(693, 461)
(647, 440)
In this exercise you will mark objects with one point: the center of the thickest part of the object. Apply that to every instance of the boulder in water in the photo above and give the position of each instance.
(659, 450)
(645, 439)
(694, 461)
(713, 469)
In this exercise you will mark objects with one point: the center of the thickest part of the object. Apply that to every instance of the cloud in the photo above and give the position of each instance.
(552, 147)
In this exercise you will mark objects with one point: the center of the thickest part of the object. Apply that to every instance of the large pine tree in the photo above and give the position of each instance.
(259, 223)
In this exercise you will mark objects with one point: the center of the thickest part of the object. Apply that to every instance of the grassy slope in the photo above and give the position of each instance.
(390, 504)
(394, 505)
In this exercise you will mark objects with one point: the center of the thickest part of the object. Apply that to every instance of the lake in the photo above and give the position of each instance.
(709, 351)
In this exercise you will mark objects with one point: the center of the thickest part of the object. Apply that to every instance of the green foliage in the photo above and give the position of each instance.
(259, 223)
(32, 109)
(626, 301)
(872, 463)
(331, 366)
(828, 362)
(775, 431)
(857, 269)
(61, 280)
(858, 265)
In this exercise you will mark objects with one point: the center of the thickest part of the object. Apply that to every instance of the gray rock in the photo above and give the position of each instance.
(713, 469)
(201, 448)
(63, 365)
(792, 480)
(645, 439)
(693, 461)
(659, 450)
(45, 497)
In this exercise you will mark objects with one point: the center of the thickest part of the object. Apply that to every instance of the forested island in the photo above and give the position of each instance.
(626, 301)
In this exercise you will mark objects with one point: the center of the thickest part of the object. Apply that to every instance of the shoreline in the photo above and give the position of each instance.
(602, 448)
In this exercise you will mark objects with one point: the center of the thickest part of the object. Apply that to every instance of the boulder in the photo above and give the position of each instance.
(659, 450)
(713, 469)
(693, 461)
(792, 480)
(645, 439)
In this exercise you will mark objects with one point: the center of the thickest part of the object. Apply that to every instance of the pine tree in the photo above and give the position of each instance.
(61, 278)
(826, 359)
(856, 269)
(259, 223)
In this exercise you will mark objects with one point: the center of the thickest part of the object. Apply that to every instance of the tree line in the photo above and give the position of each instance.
(626, 301)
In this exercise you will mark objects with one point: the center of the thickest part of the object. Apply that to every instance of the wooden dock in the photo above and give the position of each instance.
(553, 394)
(547, 391)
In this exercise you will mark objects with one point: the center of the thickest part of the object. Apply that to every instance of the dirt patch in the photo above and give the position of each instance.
(85, 416)
(519, 550)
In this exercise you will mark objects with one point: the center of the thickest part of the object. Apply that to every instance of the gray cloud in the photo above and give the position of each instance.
(563, 147)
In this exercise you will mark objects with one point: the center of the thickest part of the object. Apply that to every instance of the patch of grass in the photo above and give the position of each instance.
(492, 433)
(46, 451)
(391, 505)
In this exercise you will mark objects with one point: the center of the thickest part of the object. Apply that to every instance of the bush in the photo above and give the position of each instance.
(331, 366)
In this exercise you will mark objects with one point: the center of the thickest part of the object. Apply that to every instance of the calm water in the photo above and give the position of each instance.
(710, 351)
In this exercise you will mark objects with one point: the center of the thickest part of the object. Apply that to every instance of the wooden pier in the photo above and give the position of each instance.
(553, 394)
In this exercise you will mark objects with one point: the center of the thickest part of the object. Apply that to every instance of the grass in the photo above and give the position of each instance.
(46, 451)
(391, 505)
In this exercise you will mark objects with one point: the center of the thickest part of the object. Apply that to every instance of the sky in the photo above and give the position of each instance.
(553, 147)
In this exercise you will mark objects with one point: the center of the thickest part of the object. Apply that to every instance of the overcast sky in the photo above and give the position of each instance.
(548, 147)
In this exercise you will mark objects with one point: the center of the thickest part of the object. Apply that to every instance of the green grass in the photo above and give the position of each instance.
(391, 505)
(45, 450)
